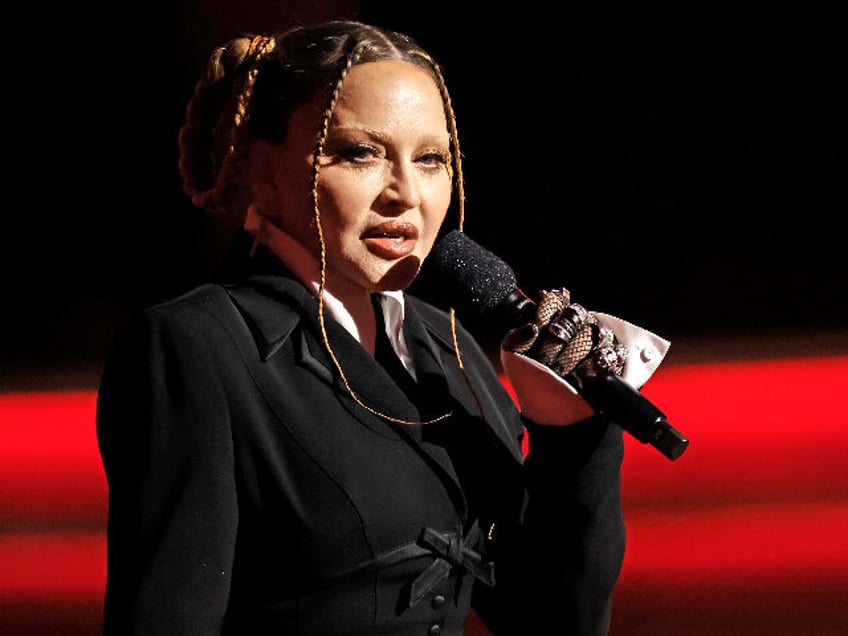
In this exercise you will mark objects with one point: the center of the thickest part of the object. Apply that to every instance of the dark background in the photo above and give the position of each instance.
(682, 169)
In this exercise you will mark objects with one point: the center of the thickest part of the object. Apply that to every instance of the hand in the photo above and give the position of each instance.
(567, 338)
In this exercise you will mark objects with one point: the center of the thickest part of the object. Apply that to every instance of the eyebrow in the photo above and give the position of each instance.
(377, 134)
(362, 129)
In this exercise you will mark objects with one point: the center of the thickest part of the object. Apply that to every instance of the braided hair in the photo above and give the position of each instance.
(253, 83)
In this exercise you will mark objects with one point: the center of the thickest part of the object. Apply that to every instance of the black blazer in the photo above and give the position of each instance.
(250, 494)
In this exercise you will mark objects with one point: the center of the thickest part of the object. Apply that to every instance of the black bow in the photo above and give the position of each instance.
(452, 550)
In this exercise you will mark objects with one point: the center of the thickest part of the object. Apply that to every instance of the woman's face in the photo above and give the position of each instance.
(384, 183)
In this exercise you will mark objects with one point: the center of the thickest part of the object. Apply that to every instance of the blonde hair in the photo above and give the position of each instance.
(251, 86)
(213, 139)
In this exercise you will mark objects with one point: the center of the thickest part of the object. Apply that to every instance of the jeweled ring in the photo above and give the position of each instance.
(606, 338)
(607, 358)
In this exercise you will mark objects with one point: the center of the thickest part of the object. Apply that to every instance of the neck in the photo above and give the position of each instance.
(348, 303)
(358, 305)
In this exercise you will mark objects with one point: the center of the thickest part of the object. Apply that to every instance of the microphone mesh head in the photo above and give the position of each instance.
(460, 273)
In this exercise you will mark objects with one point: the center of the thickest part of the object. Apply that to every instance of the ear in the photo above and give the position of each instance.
(262, 160)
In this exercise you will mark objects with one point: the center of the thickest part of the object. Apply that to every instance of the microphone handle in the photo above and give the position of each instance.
(516, 309)
(607, 393)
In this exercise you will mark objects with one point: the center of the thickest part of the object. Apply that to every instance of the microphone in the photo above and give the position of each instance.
(480, 286)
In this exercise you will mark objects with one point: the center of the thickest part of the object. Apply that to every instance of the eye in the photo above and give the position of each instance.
(359, 153)
(434, 159)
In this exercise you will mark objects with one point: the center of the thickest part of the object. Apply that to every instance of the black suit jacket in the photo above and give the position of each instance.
(249, 493)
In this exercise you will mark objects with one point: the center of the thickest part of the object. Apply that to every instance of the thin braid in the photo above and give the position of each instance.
(236, 150)
(460, 193)
(260, 46)
(457, 155)
(319, 150)
(212, 140)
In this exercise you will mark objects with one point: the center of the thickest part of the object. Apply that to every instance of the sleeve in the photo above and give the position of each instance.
(166, 446)
(573, 529)
(571, 540)
(557, 566)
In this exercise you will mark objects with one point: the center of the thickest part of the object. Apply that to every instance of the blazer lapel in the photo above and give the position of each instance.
(467, 389)
(274, 306)
(277, 308)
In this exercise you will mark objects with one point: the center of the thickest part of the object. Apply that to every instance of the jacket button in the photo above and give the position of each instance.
(437, 601)
(435, 630)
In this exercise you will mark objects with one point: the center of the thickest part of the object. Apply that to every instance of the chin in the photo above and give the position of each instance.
(400, 275)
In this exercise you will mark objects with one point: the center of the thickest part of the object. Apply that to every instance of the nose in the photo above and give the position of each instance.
(402, 189)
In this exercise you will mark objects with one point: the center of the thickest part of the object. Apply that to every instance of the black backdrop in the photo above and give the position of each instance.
(684, 170)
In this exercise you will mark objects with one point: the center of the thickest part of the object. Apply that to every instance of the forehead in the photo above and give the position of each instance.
(390, 91)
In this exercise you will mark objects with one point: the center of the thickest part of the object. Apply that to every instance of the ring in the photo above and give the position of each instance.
(607, 358)
(568, 323)
(606, 337)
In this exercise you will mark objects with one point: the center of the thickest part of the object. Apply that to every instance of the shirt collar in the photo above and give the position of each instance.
(308, 270)
(394, 313)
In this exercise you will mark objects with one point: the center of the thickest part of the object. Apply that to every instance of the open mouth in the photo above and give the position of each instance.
(391, 240)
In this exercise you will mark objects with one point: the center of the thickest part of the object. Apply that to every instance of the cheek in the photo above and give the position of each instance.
(345, 196)
(434, 213)
(341, 211)
(436, 200)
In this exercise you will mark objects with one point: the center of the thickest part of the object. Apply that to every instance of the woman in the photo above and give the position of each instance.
(267, 475)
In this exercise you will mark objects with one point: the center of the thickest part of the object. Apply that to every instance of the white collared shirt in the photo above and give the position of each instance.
(307, 269)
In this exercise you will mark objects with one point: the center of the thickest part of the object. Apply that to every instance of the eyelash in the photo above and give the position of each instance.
(358, 153)
(363, 153)
(441, 159)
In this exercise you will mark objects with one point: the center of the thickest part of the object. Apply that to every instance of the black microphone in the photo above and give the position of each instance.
(479, 285)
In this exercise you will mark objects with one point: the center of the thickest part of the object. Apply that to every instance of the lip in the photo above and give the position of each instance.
(391, 240)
